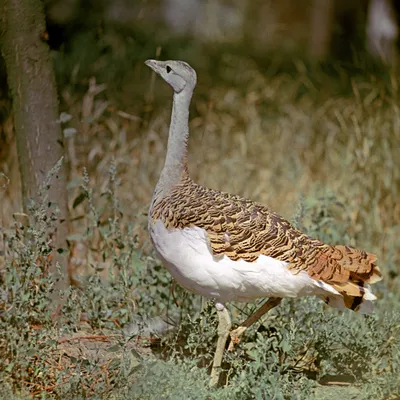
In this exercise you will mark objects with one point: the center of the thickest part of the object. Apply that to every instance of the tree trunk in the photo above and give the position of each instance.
(35, 105)
(321, 27)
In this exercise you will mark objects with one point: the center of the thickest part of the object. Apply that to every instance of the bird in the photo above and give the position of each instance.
(229, 248)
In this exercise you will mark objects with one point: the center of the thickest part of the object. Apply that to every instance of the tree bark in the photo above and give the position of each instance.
(321, 27)
(35, 106)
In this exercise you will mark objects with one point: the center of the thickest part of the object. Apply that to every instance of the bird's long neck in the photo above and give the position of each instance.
(176, 161)
(175, 168)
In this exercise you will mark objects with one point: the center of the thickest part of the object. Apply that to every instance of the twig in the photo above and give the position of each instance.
(47, 388)
(100, 338)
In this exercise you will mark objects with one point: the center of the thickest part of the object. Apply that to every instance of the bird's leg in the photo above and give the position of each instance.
(224, 326)
(236, 333)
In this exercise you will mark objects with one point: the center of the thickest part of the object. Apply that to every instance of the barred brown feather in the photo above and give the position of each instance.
(243, 229)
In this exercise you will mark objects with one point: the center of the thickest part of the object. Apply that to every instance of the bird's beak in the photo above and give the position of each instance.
(154, 65)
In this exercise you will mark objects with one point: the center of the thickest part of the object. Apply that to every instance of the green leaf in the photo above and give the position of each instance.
(135, 354)
(114, 364)
(79, 199)
(10, 367)
(114, 348)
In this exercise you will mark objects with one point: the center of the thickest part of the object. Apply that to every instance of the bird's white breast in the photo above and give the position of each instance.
(188, 257)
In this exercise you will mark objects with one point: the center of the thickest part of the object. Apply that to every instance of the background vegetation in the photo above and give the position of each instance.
(317, 143)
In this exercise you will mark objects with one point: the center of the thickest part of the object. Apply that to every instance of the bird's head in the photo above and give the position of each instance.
(178, 74)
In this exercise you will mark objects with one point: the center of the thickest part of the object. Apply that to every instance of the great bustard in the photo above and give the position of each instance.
(228, 248)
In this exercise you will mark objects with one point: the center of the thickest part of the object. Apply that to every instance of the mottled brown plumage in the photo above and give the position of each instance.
(243, 229)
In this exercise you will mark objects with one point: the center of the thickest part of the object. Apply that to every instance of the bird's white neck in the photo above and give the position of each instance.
(176, 159)
(175, 167)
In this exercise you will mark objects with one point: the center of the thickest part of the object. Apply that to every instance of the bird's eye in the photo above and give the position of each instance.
(168, 68)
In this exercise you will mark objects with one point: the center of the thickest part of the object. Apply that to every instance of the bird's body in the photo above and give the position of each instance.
(229, 248)
(187, 255)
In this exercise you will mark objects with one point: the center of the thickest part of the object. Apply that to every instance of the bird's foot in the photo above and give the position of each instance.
(235, 336)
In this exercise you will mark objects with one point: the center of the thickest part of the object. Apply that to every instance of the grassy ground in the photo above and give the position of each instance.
(318, 144)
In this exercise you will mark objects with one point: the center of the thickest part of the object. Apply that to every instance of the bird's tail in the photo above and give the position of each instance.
(350, 272)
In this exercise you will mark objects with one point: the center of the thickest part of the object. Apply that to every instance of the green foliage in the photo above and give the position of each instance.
(26, 294)
(36, 355)
(299, 342)
(169, 380)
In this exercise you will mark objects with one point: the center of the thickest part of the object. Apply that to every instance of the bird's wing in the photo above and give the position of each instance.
(243, 229)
